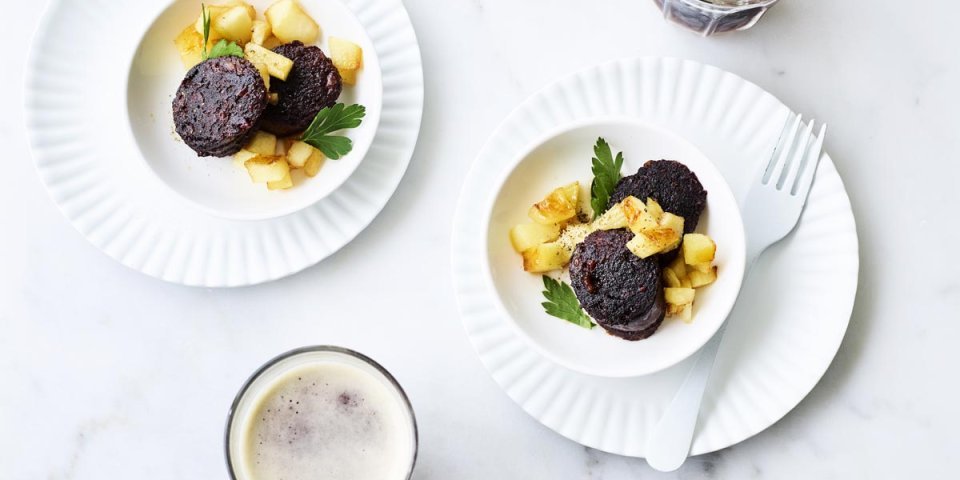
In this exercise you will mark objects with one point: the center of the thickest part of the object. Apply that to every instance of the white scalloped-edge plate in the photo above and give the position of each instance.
(796, 304)
(77, 122)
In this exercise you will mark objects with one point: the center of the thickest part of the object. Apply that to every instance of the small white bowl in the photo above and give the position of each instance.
(563, 156)
(216, 185)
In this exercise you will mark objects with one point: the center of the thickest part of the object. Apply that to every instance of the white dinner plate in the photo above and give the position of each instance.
(795, 306)
(77, 120)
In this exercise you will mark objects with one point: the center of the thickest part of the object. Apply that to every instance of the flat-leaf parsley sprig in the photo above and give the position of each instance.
(329, 120)
(606, 175)
(562, 303)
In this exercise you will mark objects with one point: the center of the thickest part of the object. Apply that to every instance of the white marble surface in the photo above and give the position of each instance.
(107, 373)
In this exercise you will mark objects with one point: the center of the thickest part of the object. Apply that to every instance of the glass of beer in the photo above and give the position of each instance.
(708, 17)
(321, 412)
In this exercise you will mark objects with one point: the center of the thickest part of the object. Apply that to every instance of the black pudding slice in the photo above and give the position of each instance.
(313, 84)
(621, 291)
(218, 106)
(671, 184)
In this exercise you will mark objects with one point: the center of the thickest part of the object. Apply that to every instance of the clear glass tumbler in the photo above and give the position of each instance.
(708, 17)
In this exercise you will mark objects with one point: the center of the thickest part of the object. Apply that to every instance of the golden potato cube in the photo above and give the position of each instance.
(704, 267)
(699, 279)
(526, 236)
(267, 168)
(312, 167)
(278, 65)
(264, 74)
(263, 143)
(545, 257)
(282, 184)
(235, 25)
(673, 222)
(670, 278)
(573, 235)
(698, 248)
(679, 296)
(559, 206)
(260, 32)
(214, 11)
(654, 208)
(345, 54)
(612, 219)
(298, 154)
(190, 45)
(349, 77)
(674, 309)
(686, 313)
(241, 157)
(653, 241)
(272, 42)
(251, 11)
(289, 22)
(638, 218)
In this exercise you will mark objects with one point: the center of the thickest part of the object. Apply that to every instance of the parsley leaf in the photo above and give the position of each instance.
(224, 49)
(562, 303)
(329, 120)
(606, 174)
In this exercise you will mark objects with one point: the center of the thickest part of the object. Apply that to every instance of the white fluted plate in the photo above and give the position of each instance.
(86, 155)
(795, 307)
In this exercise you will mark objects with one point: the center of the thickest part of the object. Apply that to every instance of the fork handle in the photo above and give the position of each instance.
(669, 443)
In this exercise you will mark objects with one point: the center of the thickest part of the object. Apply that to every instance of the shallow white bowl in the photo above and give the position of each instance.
(564, 156)
(216, 185)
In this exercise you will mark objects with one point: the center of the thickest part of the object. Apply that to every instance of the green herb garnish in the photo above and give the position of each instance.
(226, 49)
(606, 174)
(562, 303)
(206, 28)
(329, 120)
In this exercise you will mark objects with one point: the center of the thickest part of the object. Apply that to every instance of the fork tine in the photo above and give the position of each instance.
(795, 166)
(805, 178)
(784, 147)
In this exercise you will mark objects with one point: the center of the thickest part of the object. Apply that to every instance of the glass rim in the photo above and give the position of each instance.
(313, 349)
(714, 8)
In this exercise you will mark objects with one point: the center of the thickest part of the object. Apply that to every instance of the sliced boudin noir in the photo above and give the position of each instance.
(218, 106)
(620, 290)
(671, 184)
(312, 85)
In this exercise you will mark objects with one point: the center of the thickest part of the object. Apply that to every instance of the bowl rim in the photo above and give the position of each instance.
(360, 149)
(736, 269)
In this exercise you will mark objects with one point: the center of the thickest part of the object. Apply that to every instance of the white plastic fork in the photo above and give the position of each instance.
(771, 210)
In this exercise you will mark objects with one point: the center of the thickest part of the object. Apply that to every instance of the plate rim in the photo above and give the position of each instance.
(458, 221)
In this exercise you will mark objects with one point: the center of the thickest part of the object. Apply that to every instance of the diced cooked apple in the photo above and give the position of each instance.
(673, 222)
(214, 11)
(298, 154)
(264, 74)
(654, 209)
(700, 279)
(260, 32)
(679, 296)
(251, 11)
(235, 25)
(267, 168)
(653, 241)
(559, 206)
(638, 218)
(686, 313)
(545, 257)
(190, 45)
(670, 278)
(282, 184)
(698, 248)
(272, 42)
(674, 309)
(312, 167)
(573, 235)
(289, 22)
(704, 267)
(242, 156)
(612, 219)
(529, 235)
(347, 57)
(678, 267)
(262, 143)
(278, 65)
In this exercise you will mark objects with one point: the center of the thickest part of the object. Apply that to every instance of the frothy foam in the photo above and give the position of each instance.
(327, 421)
